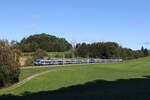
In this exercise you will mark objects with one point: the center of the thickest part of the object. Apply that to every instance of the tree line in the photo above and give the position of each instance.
(108, 50)
(103, 50)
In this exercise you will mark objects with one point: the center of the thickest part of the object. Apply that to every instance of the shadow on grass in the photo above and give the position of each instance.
(124, 89)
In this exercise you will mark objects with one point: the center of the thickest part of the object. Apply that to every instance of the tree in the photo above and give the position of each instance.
(144, 51)
(82, 50)
(9, 64)
(127, 53)
(40, 54)
(98, 50)
(45, 42)
(142, 48)
(108, 50)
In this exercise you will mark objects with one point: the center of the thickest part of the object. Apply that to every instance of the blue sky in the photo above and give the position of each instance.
(124, 21)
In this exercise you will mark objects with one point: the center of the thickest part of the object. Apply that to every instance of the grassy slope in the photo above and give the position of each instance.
(82, 74)
(49, 53)
(29, 72)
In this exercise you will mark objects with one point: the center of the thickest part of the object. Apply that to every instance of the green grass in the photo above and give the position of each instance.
(27, 53)
(56, 54)
(113, 79)
(29, 72)
(53, 54)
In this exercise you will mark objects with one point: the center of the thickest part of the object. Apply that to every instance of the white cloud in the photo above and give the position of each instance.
(95, 41)
(29, 27)
(140, 22)
(36, 17)
(144, 43)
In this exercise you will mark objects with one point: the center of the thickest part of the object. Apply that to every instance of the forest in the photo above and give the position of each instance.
(103, 50)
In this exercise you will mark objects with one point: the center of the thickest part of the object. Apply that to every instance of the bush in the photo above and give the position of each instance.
(40, 54)
(59, 55)
(68, 55)
(9, 64)
(27, 54)
(29, 61)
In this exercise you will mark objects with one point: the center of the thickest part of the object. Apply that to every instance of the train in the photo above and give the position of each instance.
(73, 61)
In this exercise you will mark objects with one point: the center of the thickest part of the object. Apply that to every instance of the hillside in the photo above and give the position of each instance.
(108, 81)
(44, 41)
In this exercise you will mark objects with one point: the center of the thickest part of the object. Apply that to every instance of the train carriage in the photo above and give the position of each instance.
(73, 61)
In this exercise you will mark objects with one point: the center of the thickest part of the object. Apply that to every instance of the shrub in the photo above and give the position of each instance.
(59, 55)
(29, 61)
(27, 54)
(9, 64)
(40, 54)
(68, 55)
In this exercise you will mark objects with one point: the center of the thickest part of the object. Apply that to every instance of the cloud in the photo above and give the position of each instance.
(96, 41)
(144, 43)
(140, 22)
(29, 27)
(35, 17)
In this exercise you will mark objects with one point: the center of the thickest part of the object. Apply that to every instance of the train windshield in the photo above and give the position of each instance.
(37, 60)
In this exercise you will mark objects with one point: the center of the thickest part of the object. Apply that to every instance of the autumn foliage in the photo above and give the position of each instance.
(9, 63)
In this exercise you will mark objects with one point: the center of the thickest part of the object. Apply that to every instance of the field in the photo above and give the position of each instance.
(108, 81)
(52, 54)
(29, 72)
(66, 54)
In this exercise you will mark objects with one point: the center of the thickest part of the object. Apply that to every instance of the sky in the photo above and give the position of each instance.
(126, 22)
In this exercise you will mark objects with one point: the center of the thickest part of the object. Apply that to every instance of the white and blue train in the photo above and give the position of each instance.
(73, 61)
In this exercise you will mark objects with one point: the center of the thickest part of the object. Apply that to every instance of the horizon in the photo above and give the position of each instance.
(125, 22)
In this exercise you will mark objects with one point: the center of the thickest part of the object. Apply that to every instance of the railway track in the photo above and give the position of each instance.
(30, 67)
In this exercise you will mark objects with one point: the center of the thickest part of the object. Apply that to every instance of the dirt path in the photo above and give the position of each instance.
(26, 80)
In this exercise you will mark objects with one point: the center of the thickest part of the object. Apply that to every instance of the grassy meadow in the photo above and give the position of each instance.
(52, 54)
(107, 81)
(29, 72)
